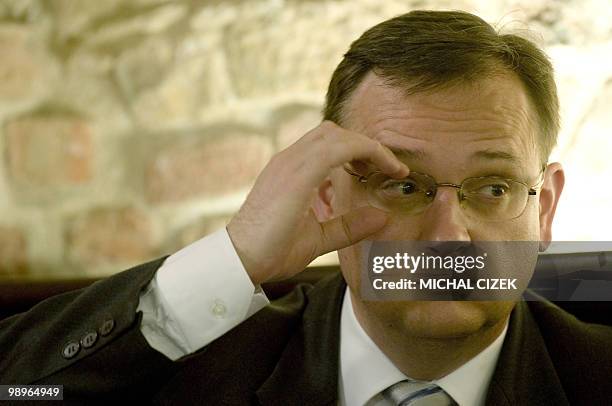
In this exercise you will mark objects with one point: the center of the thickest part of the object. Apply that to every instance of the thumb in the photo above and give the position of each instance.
(352, 227)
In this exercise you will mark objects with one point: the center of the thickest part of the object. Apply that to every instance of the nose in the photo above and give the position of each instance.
(444, 219)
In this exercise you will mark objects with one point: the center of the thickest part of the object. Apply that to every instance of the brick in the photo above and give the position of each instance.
(13, 250)
(74, 16)
(88, 87)
(206, 169)
(144, 66)
(274, 49)
(26, 71)
(270, 53)
(30, 11)
(49, 151)
(160, 83)
(109, 235)
(176, 100)
(147, 22)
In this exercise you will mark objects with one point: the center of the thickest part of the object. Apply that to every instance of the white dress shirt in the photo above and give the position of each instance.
(203, 291)
(365, 370)
(197, 295)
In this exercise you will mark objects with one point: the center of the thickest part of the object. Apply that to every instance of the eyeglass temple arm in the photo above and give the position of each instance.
(534, 189)
(359, 177)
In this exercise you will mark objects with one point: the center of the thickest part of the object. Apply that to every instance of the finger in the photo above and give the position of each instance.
(351, 228)
(321, 149)
(343, 146)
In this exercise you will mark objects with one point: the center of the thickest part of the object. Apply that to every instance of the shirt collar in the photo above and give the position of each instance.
(467, 385)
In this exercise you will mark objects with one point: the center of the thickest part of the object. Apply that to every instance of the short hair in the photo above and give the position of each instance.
(424, 51)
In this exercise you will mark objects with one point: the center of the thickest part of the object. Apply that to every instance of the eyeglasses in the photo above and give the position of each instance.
(489, 198)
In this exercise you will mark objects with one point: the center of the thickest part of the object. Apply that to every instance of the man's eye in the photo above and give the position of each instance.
(408, 188)
(496, 190)
(400, 188)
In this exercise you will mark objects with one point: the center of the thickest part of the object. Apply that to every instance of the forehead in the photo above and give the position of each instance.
(492, 117)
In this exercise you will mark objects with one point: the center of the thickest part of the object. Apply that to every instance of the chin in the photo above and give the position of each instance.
(440, 319)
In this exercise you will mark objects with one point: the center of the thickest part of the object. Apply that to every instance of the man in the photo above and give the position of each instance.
(439, 93)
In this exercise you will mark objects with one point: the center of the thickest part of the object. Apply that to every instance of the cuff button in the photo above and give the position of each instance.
(219, 309)
(71, 349)
(107, 327)
(89, 339)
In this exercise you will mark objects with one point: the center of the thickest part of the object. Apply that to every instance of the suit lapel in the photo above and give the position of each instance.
(307, 372)
(525, 373)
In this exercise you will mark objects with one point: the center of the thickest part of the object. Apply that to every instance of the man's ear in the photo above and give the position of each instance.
(322, 202)
(554, 179)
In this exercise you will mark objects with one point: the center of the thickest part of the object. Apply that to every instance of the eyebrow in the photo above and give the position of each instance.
(489, 154)
(413, 154)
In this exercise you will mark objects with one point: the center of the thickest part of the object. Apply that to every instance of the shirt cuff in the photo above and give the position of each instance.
(198, 294)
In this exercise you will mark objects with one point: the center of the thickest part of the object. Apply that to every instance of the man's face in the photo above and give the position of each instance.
(473, 130)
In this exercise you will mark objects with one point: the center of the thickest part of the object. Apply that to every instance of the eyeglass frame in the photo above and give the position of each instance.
(531, 190)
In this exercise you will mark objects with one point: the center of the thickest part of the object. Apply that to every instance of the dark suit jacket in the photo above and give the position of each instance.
(286, 354)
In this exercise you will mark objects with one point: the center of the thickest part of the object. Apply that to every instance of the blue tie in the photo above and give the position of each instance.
(412, 393)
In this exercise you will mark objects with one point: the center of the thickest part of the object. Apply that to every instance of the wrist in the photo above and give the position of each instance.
(249, 265)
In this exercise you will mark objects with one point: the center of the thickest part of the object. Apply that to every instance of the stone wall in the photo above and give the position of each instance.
(129, 128)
